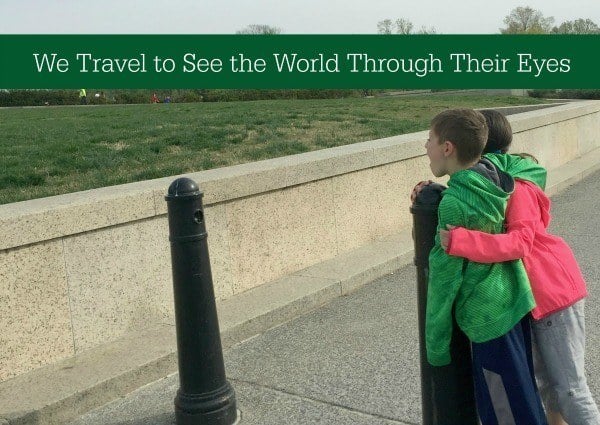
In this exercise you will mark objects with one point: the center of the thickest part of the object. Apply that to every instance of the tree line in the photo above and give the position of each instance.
(525, 20)
(520, 20)
(108, 97)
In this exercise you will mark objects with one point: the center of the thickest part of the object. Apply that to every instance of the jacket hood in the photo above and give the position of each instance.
(542, 200)
(519, 168)
(485, 190)
(488, 170)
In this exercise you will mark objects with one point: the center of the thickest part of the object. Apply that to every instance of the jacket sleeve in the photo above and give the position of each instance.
(445, 278)
(522, 217)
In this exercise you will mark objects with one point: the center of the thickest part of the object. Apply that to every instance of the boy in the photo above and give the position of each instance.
(490, 301)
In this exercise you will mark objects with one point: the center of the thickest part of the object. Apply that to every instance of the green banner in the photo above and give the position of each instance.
(299, 61)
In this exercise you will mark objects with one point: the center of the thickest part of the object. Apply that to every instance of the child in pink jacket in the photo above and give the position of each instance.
(556, 282)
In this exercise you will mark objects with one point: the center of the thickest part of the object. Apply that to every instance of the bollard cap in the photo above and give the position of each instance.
(428, 198)
(183, 188)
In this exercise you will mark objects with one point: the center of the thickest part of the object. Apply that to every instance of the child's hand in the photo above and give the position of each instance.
(445, 236)
(417, 189)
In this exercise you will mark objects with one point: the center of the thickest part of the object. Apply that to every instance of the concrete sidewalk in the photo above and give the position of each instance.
(355, 360)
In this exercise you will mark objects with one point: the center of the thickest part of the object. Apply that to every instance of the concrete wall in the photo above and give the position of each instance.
(82, 269)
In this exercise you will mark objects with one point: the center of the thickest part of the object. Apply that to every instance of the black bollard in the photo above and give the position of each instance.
(204, 397)
(447, 394)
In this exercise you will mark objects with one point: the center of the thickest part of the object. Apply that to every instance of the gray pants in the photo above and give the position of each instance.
(558, 352)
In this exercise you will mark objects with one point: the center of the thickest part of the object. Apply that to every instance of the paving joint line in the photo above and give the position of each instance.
(304, 397)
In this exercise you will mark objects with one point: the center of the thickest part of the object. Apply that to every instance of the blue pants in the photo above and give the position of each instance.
(505, 388)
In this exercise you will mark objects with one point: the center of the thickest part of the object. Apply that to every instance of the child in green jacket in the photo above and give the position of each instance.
(489, 301)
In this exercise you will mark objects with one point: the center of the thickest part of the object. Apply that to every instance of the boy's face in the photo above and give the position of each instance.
(438, 154)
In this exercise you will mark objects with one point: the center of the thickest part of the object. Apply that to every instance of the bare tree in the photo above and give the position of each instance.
(401, 26)
(385, 27)
(259, 29)
(425, 30)
(578, 26)
(525, 20)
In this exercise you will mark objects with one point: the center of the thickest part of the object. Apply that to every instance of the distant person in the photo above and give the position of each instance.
(155, 98)
(82, 97)
(167, 99)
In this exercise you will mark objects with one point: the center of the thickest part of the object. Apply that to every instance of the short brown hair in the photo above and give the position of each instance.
(465, 128)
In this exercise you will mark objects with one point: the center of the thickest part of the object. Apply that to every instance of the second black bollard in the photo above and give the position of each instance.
(447, 395)
(204, 396)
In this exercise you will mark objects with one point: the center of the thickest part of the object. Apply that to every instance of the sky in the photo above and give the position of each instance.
(293, 17)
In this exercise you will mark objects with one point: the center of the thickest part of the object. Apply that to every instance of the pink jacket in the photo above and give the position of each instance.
(556, 281)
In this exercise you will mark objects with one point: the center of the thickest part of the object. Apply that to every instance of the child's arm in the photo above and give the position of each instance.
(445, 278)
(522, 216)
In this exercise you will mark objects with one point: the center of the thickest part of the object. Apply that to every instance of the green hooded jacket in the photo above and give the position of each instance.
(488, 300)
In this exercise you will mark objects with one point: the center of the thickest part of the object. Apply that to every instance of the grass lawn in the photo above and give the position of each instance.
(53, 150)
